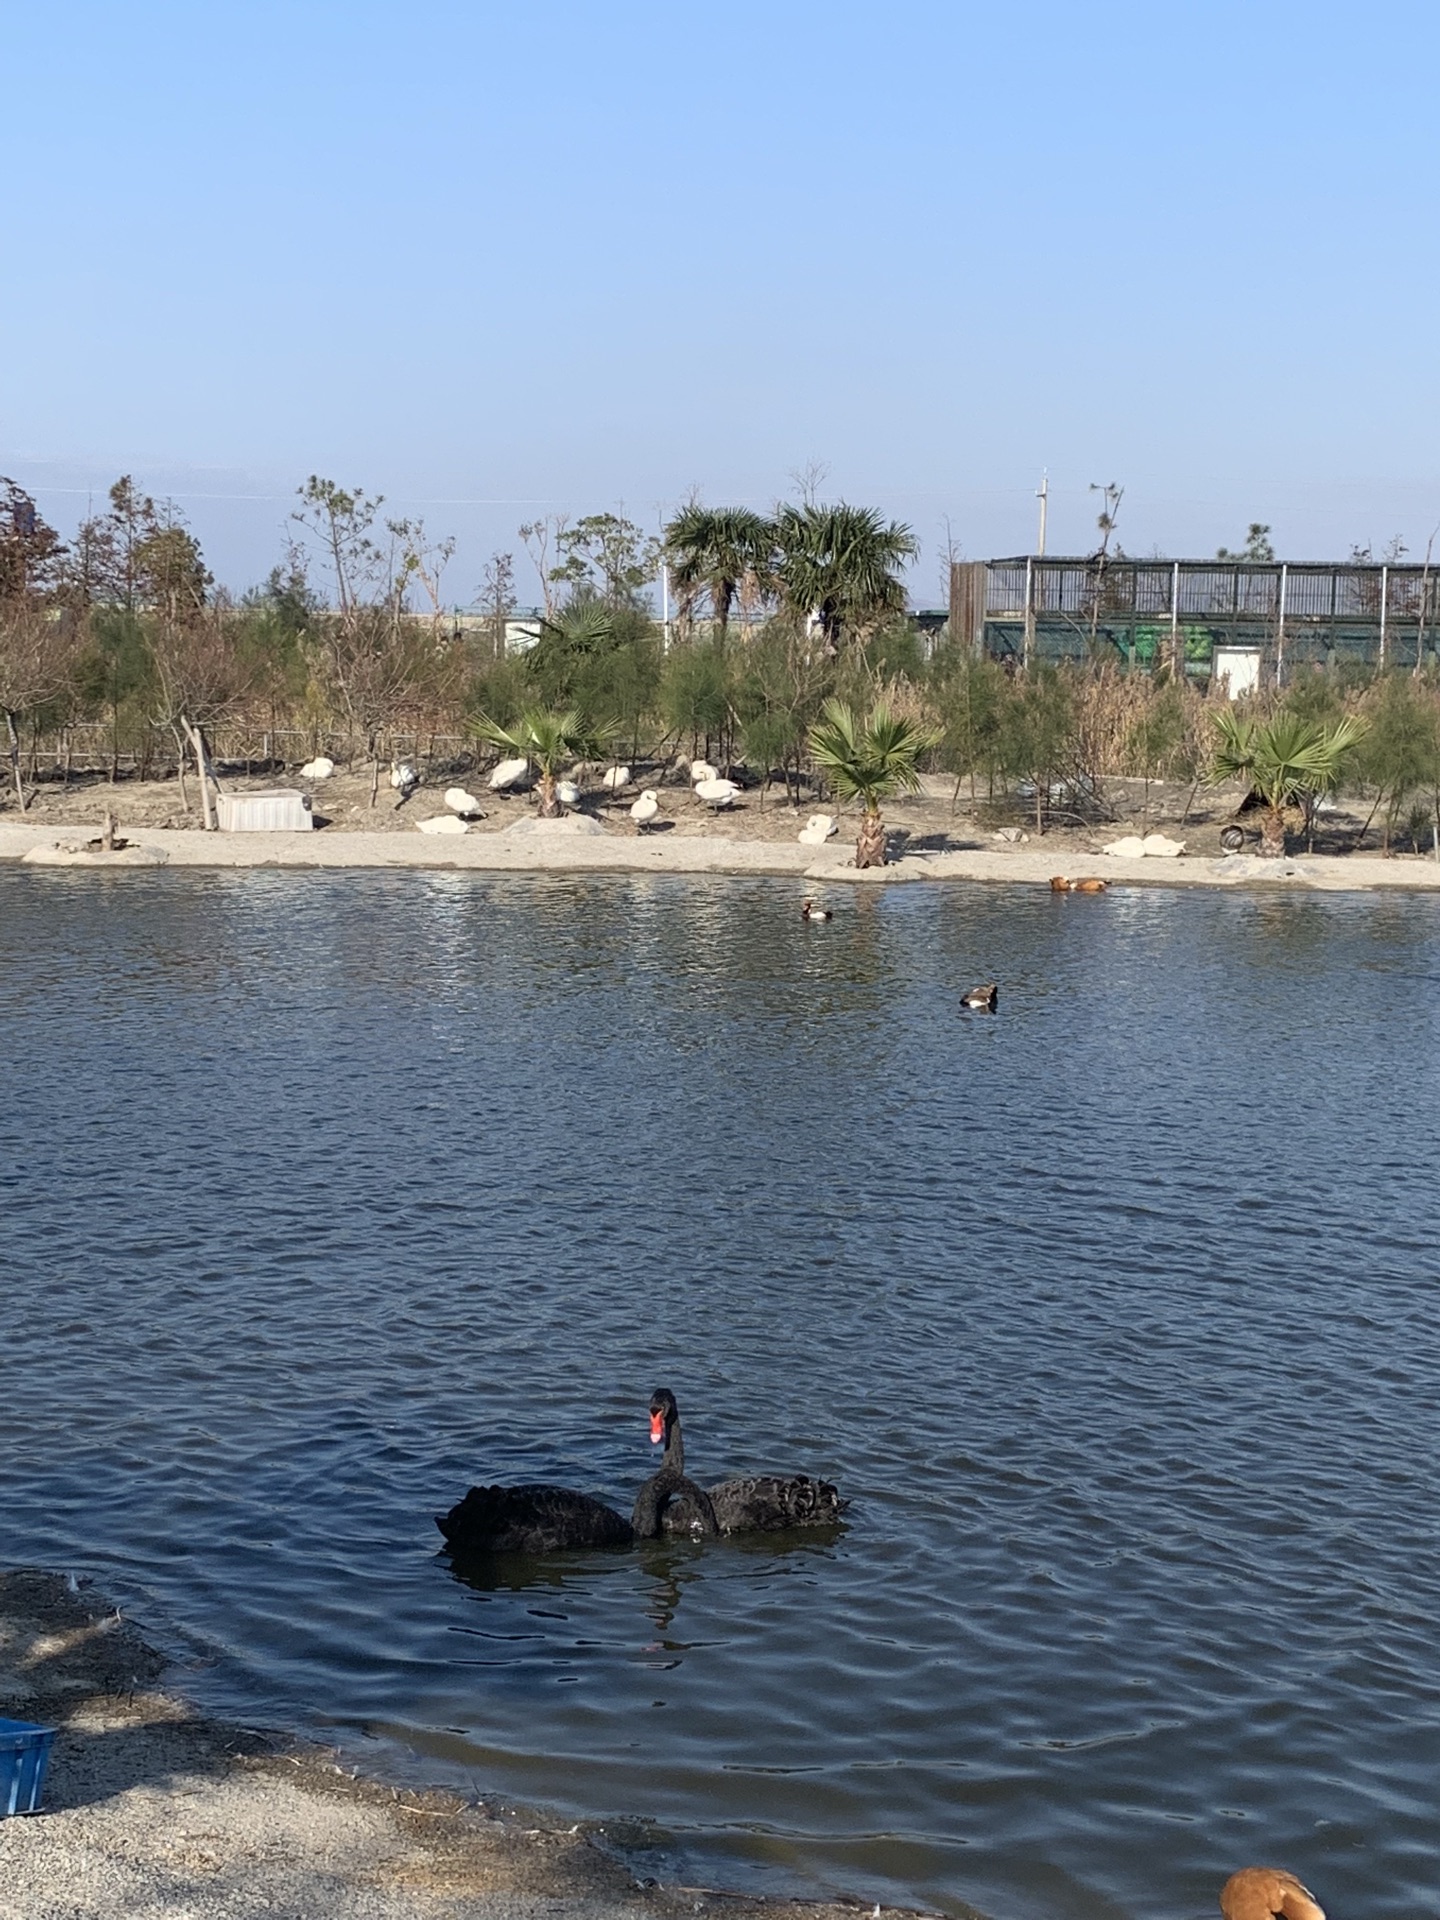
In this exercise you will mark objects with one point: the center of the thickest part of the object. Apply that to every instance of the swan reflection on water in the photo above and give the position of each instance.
(667, 1566)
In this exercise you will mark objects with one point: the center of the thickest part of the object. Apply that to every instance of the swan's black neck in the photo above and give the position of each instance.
(657, 1493)
(674, 1457)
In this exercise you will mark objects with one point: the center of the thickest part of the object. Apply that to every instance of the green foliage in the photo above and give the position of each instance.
(871, 758)
(605, 557)
(1156, 739)
(1286, 759)
(1400, 752)
(970, 697)
(1257, 548)
(716, 551)
(840, 566)
(1039, 724)
(545, 738)
(694, 693)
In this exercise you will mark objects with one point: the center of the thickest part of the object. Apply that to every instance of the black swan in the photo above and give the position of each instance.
(541, 1519)
(766, 1503)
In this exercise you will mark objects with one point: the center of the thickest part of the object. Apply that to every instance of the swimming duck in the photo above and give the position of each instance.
(1267, 1893)
(983, 999)
(1059, 884)
(809, 911)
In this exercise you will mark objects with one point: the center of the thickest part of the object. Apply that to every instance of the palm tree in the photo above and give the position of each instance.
(715, 550)
(546, 739)
(840, 566)
(1286, 759)
(868, 759)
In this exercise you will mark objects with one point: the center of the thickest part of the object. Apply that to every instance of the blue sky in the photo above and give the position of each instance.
(494, 261)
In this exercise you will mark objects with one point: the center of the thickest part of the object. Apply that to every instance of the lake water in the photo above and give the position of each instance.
(1115, 1314)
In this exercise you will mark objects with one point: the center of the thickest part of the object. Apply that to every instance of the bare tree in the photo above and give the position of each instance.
(39, 647)
(497, 597)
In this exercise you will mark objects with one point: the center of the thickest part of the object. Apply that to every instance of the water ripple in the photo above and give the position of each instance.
(1114, 1313)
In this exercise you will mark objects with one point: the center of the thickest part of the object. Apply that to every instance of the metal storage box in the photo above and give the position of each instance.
(280, 810)
(24, 1751)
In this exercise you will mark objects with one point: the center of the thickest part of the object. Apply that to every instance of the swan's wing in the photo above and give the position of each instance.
(768, 1502)
(531, 1519)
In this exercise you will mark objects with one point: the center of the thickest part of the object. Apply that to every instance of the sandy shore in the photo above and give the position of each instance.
(612, 851)
(154, 1813)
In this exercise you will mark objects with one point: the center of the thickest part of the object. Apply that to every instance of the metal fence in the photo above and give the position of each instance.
(1145, 611)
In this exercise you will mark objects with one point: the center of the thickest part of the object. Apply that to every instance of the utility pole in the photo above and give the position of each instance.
(1043, 496)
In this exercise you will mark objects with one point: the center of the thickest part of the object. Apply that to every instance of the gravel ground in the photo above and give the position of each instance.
(153, 1813)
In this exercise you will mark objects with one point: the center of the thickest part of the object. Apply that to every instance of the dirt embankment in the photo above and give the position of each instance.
(152, 1812)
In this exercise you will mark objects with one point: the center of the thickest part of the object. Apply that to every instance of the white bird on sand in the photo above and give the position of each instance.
(614, 778)
(645, 808)
(818, 829)
(463, 803)
(404, 778)
(717, 793)
(702, 770)
(318, 769)
(567, 793)
(507, 773)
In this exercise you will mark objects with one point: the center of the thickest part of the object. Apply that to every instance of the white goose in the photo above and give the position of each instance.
(614, 778)
(567, 793)
(463, 803)
(819, 828)
(645, 808)
(702, 770)
(404, 778)
(717, 793)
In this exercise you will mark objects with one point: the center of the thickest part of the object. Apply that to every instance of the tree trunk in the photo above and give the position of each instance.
(550, 808)
(1272, 834)
(180, 748)
(870, 844)
(197, 741)
(15, 758)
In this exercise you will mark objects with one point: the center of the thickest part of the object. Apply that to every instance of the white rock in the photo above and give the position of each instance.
(1011, 835)
(567, 793)
(320, 769)
(507, 773)
(1159, 846)
(442, 823)
(569, 825)
(1131, 847)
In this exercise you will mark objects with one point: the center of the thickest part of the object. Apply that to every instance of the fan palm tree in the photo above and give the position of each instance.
(547, 740)
(868, 760)
(715, 550)
(1288, 760)
(840, 566)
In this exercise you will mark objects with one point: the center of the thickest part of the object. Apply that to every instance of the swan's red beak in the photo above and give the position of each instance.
(657, 1429)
